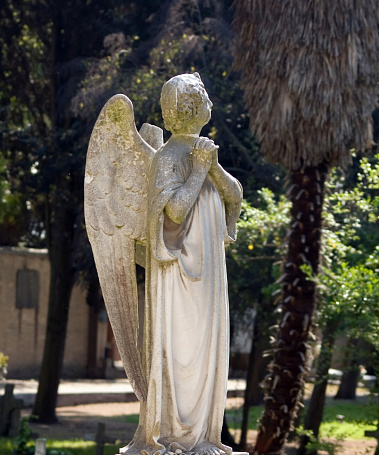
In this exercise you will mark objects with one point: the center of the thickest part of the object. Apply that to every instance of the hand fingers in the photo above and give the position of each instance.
(205, 143)
(201, 143)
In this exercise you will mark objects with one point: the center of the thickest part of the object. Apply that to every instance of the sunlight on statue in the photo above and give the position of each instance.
(177, 200)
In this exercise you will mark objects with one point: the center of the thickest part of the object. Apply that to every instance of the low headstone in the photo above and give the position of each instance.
(10, 410)
(101, 438)
(40, 447)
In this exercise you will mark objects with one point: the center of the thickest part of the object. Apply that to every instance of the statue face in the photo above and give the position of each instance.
(205, 110)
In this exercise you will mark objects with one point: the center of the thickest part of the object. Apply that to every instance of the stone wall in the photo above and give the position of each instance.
(23, 317)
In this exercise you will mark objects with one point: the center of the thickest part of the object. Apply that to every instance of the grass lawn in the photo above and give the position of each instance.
(342, 419)
(74, 447)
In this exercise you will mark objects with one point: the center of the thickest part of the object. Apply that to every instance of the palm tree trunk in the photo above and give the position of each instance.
(287, 370)
(315, 409)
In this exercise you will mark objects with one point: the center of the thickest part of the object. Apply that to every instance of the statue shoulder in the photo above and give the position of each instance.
(172, 158)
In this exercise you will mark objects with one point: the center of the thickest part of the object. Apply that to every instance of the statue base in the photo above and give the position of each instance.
(122, 452)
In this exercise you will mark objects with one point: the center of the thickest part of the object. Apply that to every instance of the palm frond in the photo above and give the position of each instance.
(310, 74)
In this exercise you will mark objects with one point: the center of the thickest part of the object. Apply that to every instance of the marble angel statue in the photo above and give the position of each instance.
(177, 200)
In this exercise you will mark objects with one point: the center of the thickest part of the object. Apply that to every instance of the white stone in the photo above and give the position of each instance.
(184, 206)
(40, 447)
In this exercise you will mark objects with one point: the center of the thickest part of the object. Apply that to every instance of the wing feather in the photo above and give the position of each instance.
(115, 194)
(114, 262)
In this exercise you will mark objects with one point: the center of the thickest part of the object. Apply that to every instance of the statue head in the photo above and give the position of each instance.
(185, 103)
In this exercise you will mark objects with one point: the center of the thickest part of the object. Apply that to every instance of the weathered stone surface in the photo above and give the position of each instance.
(40, 447)
(181, 204)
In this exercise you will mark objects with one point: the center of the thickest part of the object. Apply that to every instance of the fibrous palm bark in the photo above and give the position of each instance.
(284, 384)
(309, 71)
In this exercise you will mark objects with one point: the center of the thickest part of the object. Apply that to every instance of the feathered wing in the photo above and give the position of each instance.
(115, 195)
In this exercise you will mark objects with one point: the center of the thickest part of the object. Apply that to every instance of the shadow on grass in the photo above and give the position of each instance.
(342, 419)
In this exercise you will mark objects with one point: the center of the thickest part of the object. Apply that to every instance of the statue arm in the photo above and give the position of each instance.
(229, 188)
(183, 199)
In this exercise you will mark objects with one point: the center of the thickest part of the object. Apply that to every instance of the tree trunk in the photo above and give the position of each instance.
(349, 381)
(61, 283)
(287, 370)
(255, 374)
(315, 409)
(349, 384)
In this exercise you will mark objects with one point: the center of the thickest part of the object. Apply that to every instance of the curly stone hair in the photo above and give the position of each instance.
(180, 100)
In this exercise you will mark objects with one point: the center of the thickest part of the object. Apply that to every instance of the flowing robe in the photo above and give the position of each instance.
(186, 343)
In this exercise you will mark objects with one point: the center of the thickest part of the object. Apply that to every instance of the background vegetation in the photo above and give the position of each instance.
(61, 61)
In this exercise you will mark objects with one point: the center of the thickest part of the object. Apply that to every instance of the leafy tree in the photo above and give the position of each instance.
(261, 230)
(44, 46)
(348, 281)
(252, 270)
(350, 301)
(309, 104)
(12, 210)
(185, 37)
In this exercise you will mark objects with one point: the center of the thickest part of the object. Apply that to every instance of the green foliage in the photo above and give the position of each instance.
(10, 204)
(348, 283)
(351, 294)
(263, 226)
(61, 447)
(3, 360)
(77, 447)
(6, 446)
(12, 208)
(203, 45)
(24, 445)
(348, 420)
(251, 260)
(22, 442)
(315, 444)
(341, 420)
(351, 213)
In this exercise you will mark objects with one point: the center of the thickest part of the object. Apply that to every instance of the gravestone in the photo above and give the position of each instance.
(40, 447)
(101, 439)
(10, 410)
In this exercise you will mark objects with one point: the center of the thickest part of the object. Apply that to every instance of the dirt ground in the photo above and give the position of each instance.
(81, 422)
